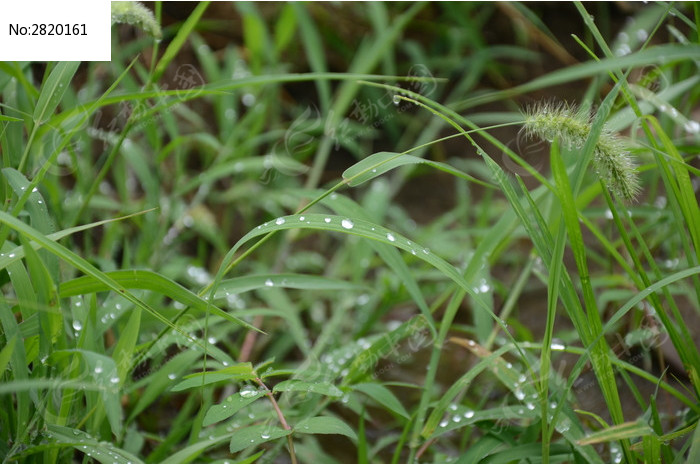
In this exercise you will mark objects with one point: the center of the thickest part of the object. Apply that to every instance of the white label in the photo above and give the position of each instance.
(60, 30)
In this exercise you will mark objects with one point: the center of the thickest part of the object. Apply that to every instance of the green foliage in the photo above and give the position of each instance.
(228, 253)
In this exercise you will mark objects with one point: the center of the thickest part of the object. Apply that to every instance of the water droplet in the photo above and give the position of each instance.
(301, 218)
(279, 221)
(172, 376)
(230, 114)
(519, 394)
(114, 380)
(623, 49)
(469, 414)
(692, 127)
(269, 283)
(530, 406)
(390, 237)
(265, 436)
(98, 369)
(327, 220)
(248, 392)
(453, 407)
(11, 255)
(444, 423)
(456, 419)
(211, 340)
(397, 100)
(77, 325)
(522, 378)
(347, 224)
(557, 346)
(563, 425)
(248, 99)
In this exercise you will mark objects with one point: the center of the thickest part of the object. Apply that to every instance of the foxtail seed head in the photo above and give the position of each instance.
(611, 160)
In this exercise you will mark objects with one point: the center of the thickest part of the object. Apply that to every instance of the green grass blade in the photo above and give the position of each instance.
(146, 280)
(53, 89)
(178, 41)
(618, 432)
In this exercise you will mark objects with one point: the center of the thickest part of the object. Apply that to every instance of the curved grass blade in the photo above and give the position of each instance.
(296, 281)
(360, 228)
(379, 163)
(618, 432)
(18, 253)
(146, 280)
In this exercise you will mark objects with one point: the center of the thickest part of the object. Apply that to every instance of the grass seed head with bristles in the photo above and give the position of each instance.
(611, 160)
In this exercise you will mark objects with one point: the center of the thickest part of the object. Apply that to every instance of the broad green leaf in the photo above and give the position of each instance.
(255, 435)
(383, 396)
(237, 372)
(191, 452)
(101, 451)
(53, 89)
(323, 388)
(232, 405)
(325, 425)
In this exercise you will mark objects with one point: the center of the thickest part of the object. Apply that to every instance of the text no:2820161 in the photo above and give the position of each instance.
(48, 29)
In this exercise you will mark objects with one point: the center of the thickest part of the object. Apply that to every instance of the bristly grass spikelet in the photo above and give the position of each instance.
(611, 160)
(136, 14)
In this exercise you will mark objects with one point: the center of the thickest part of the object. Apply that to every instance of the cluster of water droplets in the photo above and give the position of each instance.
(457, 415)
(102, 451)
(199, 275)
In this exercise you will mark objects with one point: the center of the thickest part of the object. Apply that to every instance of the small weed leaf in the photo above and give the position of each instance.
(325, 425)
(611, 160)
